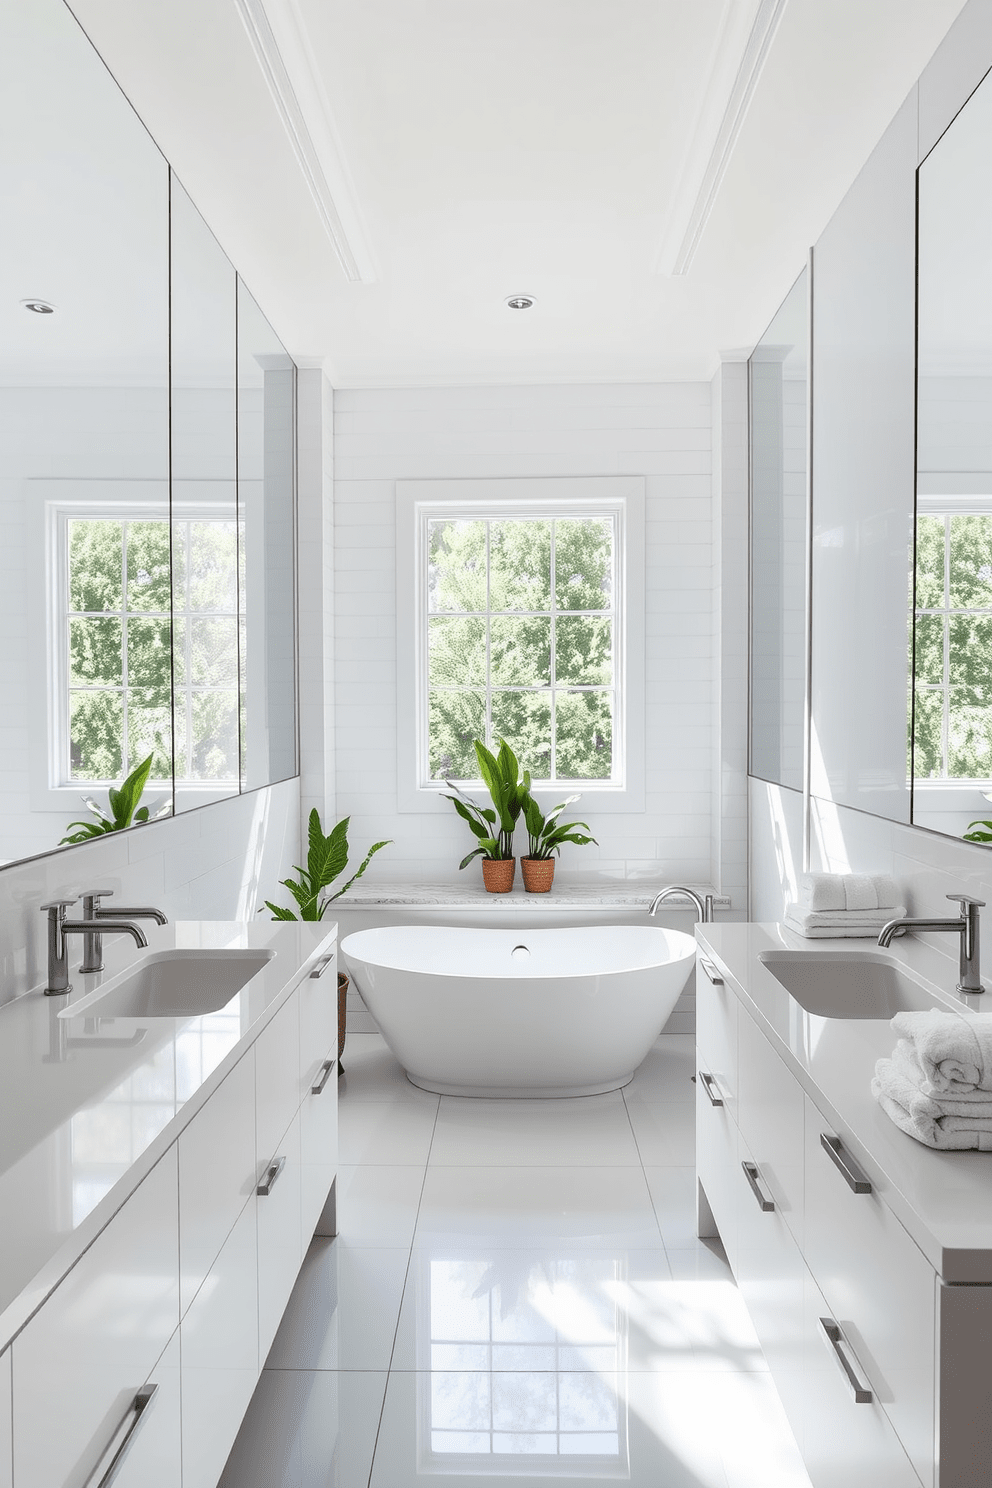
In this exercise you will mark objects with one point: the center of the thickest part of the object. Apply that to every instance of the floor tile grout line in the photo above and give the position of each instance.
(406, 1281)
(644, 1175)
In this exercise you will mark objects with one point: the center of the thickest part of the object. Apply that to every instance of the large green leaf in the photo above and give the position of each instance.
(328, 856)
(278, 913)
(376, 847)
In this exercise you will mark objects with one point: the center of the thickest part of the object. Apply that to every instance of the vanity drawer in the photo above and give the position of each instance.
(277, 1078)
(881, 1290)
(217, 1174)
(845, 1444)
(154, 1459)
(280, 1232)
(716, 1161)
(318, 1142)
(95, 1341)
(219, 1336)
(770, 1274)
(318, 1023)
(770, 1120)
(716, 1036)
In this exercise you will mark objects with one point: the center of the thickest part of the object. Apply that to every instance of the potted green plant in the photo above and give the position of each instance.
(124, 809)
(545, 835)
(327, 858)
(493, 826)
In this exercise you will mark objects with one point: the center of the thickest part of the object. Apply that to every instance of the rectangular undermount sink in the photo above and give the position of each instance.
(176, 984)
(847, 984)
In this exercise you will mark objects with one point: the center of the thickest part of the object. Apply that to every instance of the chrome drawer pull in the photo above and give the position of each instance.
(711, 1088)
(138, 1409)
(844, 1163)
(272, 1172)
(325, 1070)
(835, 1341)
(711, 971)
(765, 1204)
(321, 967)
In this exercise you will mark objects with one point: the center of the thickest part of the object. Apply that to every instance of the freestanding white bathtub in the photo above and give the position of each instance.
(537, 1013)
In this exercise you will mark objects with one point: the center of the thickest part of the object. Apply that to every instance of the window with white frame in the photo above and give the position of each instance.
(522, 641)
(147, 650)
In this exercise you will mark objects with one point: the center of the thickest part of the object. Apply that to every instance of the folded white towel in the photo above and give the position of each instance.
(952, 1103)
(820, 892)
(954, 1051)
(937, 1124)
(841, 923)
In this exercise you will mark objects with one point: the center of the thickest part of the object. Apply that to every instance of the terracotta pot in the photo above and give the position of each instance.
(538, 874)
(497, 874)
(342, 1015)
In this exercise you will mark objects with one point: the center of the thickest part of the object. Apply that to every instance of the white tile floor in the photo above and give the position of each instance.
(516, 1294)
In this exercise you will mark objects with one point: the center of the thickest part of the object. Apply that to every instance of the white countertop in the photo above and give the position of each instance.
(90, 1104)
(944, 1199)
(469, 894)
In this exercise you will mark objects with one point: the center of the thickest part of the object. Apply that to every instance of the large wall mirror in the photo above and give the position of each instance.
(951, 734)
(147, 436)
(778, 389)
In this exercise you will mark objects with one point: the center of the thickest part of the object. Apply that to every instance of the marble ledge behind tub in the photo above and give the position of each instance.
(368, 905)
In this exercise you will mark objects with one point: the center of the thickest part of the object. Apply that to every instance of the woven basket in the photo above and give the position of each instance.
(538, 874)
(497, 874)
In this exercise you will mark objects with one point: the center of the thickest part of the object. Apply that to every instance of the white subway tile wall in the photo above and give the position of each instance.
(661, 431)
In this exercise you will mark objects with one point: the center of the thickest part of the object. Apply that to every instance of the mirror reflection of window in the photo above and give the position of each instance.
(951, 735)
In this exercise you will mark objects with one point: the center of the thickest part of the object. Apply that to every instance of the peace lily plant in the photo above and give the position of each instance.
(493, 826)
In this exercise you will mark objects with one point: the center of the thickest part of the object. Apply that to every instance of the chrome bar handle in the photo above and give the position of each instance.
(272, 1172)
(842, 1160)
(711, 1088)
(322, 966)
(138, 1409)
(711, 971)
(835, 1341)
(323, 1077)
(765, 1204)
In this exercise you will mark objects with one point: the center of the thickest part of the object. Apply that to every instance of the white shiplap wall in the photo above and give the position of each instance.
(660, 431)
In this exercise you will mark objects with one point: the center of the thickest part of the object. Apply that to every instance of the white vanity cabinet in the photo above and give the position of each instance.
(79, 1363)
(185, 1285)
(882, 1366)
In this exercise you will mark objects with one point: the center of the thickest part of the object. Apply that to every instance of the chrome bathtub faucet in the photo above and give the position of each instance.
(969, 974)
(704, 904)
(93, 940)
(59, 929)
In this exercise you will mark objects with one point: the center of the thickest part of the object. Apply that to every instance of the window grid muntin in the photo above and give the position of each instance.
(947, 611)
(67, 689)
(435, 516)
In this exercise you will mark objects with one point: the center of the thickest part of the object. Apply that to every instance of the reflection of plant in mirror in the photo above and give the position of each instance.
(122, 805)
(982, 834)
(516, 648)
(953, 681)
(327, 857)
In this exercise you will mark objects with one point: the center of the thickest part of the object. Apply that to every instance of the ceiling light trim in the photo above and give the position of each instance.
(738, 61)
(288, 66)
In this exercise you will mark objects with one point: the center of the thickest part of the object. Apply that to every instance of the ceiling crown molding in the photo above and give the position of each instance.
(747, 30)
(282, 49)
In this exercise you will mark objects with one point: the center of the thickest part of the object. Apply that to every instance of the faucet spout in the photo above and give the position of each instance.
(966, 927)
(703, 903)
(59, 930)
(93, 910)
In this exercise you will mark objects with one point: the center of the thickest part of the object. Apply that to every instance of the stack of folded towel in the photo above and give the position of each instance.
(843, 904)
(938, 1084)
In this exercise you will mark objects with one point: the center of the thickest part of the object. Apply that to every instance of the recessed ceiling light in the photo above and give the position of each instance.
(40, 307)
(520, 301)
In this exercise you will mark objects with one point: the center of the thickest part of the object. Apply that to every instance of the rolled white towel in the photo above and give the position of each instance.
(822, 892)
(954, 1102)
(954, 1051)
(929, 1121)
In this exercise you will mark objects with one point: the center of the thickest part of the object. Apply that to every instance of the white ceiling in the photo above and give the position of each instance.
(450, 153)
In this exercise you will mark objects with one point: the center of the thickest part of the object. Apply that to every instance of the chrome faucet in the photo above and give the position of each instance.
(93, 939)
(704, 904)
(59, 929)
(969, 977)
